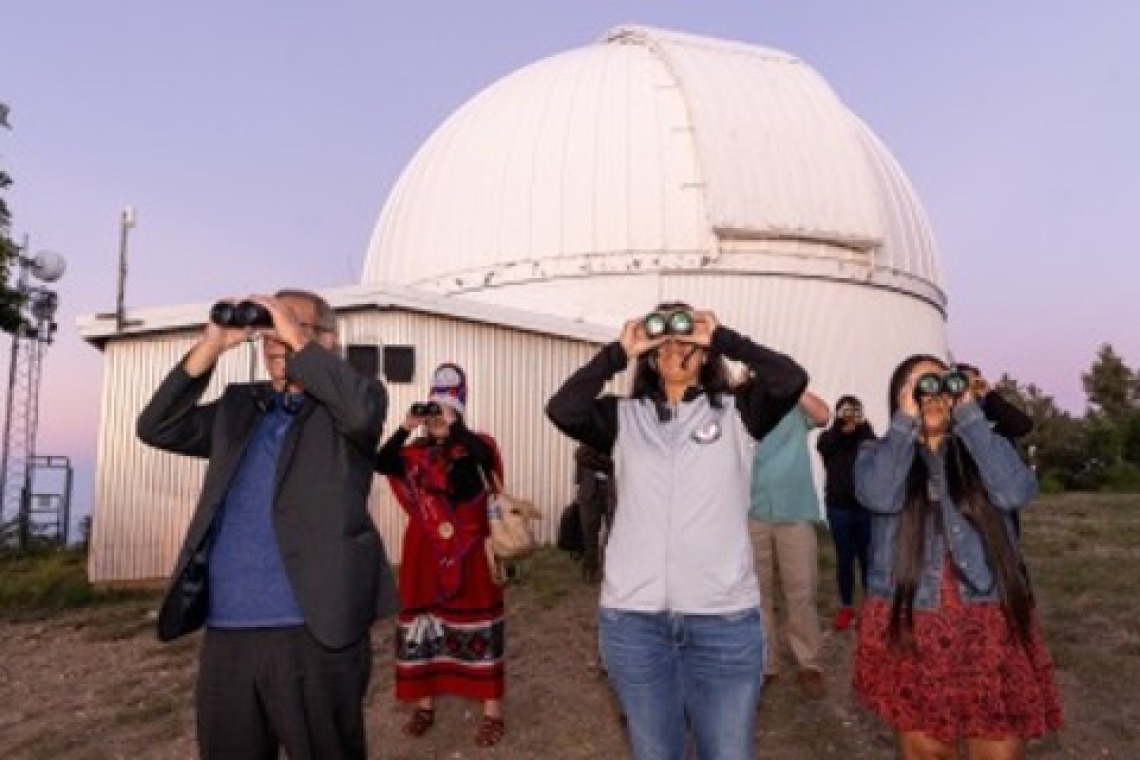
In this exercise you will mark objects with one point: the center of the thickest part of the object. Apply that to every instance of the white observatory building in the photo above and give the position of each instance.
(561, 200)
(657, 166)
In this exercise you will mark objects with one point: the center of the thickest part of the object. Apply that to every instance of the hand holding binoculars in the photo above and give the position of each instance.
(239, 315)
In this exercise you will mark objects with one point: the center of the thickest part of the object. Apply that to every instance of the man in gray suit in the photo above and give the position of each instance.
(281, 562)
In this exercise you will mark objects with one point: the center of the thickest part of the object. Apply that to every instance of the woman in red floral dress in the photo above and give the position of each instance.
(450, 629)
(950, 651)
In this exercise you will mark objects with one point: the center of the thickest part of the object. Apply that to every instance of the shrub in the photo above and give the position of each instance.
(1051, 482)
(1123, 477)
(49, 579)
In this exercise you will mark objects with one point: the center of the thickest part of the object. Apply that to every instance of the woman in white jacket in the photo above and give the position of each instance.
(679, 621)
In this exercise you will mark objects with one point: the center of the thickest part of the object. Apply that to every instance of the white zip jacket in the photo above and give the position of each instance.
(680, 539)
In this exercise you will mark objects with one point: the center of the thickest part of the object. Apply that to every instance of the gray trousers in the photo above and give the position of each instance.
(262, 689)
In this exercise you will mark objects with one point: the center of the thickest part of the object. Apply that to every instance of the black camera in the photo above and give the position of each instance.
(668, 323)
(426, 409)
(952, 383)
(243, 314)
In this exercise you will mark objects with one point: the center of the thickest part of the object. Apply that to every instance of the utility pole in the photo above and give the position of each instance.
(21, 419)
(126, 223)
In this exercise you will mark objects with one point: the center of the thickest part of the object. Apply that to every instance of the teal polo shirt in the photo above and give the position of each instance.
(783, 488)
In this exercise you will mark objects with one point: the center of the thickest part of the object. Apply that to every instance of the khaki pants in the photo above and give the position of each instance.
(791, 551)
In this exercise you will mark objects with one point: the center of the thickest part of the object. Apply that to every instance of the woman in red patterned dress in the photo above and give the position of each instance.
(950, 650)
(450, 629)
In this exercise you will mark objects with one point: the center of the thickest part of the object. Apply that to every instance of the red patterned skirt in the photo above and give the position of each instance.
(966, 676)
(454, 646)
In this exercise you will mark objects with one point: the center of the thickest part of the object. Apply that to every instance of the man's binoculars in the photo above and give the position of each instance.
(668, 323)
(426, 409)
(243, 314)
(952, 383)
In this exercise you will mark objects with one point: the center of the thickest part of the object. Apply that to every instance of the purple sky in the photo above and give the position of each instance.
(258, 140)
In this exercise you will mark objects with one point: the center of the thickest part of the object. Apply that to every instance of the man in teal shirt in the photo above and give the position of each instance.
(784, 510)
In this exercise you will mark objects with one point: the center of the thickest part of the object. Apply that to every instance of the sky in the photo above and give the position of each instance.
(258, 140)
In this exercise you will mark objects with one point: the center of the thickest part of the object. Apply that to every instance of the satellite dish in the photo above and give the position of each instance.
(44, 305)
(48, 266)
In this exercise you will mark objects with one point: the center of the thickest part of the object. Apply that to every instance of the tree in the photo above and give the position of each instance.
(1113, 391)
(1131, 438)
(1112, 388)
(1056, 444)
(11, 300)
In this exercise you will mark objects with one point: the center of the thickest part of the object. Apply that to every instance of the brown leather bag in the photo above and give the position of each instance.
(512, 536)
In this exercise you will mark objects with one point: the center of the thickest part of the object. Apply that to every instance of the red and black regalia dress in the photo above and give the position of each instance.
(450, 629)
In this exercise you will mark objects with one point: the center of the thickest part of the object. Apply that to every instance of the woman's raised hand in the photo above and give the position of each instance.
(704, 325)
(907, 402)
(635, 341)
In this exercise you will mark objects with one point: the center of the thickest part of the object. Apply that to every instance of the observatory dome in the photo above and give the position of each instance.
(647, 154)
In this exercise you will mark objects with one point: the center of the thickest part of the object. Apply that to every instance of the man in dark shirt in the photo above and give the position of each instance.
(1007, 420)
(281, 561)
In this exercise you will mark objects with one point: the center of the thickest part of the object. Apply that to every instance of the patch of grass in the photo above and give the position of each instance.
(550, 575)
(49, 581)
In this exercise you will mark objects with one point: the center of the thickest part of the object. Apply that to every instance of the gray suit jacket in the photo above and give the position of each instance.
(333, 555)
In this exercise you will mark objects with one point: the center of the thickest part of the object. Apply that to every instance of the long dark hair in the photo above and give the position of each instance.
(713, 377)
(964, 483)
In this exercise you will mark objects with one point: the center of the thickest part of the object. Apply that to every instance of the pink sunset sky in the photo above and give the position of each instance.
(258, 141)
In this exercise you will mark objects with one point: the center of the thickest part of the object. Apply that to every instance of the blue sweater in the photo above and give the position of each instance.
(248, 584)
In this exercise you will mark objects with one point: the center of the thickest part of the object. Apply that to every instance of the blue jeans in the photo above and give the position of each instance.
(672, 670)
(851, 532)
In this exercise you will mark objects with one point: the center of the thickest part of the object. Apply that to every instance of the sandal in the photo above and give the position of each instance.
(422, 719)
(490, 731)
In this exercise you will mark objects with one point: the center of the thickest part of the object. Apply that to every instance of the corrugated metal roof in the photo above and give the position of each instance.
(651, 150)
(97, 329)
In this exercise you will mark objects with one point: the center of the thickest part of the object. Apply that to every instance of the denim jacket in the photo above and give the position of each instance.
(880, 484)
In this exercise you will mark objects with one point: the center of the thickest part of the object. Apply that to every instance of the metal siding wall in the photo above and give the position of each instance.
(510, 375)
(144, 498)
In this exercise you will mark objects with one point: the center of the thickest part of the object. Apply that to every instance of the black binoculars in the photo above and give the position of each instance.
(243, 314)
(426, 409)
(952, 383)
(668, 323)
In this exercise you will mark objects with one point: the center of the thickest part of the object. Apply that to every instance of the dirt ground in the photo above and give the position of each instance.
(96, 683)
